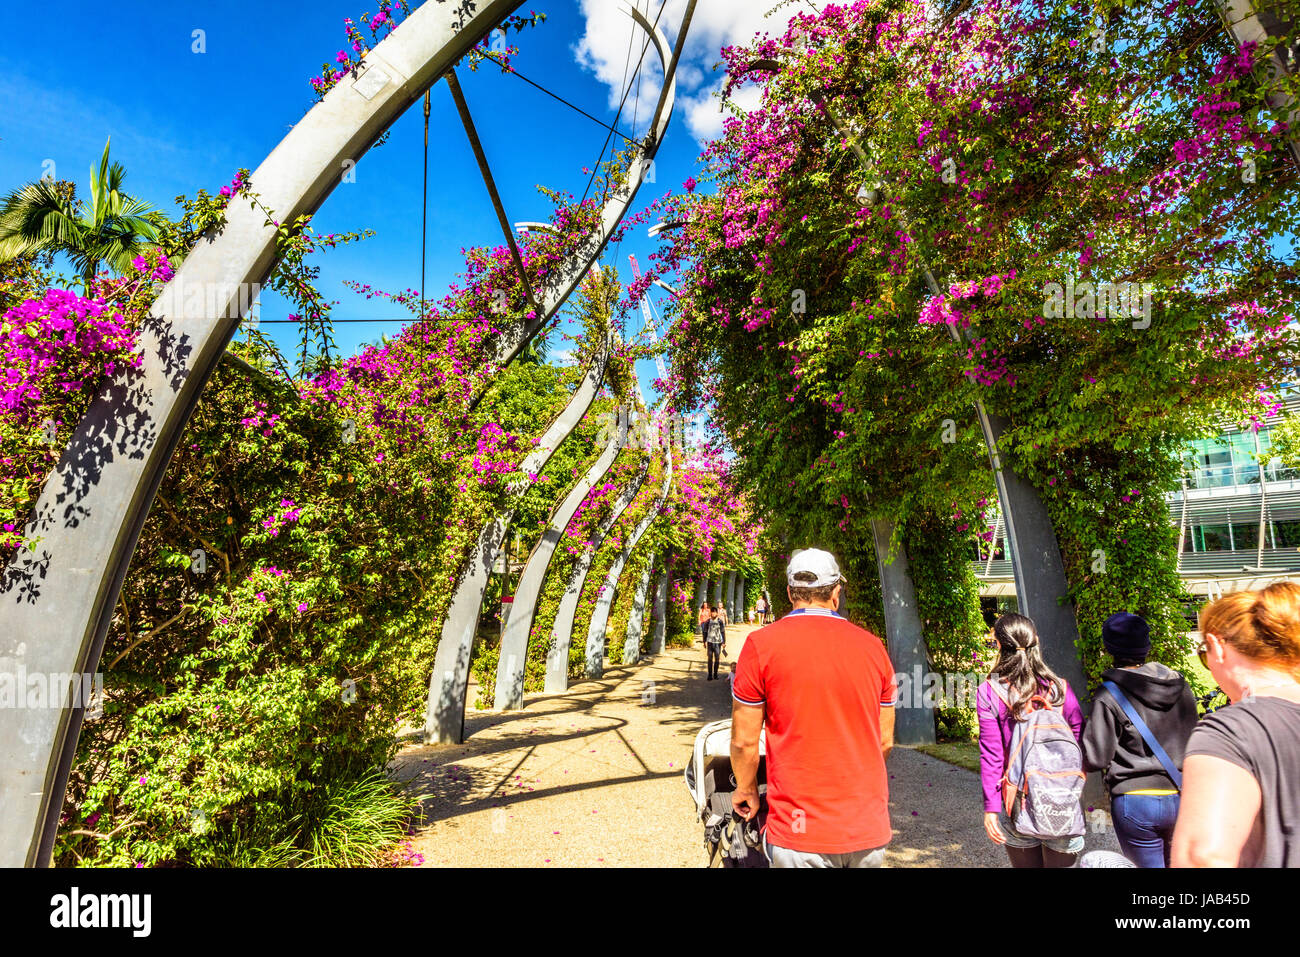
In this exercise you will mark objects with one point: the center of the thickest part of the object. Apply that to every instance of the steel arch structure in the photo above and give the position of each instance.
(57, 596)
(600, 614)
(514, 639)
(449, 682)
(660, 633)
(557, 659)
(636, 618)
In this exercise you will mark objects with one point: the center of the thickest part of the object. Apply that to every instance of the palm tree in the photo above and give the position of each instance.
(112, 228)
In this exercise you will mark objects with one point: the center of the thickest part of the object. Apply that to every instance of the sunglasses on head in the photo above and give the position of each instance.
(1203, 652)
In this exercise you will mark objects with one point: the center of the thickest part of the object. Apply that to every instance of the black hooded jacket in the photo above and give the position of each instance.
(1110, 742)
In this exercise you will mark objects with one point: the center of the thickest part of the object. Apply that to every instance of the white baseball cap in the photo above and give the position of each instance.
(820, 563)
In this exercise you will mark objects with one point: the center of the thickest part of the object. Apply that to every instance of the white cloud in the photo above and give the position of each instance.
(604, 51)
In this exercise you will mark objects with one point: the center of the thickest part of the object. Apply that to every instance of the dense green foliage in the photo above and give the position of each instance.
(1007, 160)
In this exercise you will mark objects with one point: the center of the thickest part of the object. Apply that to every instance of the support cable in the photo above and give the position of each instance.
(573, 106)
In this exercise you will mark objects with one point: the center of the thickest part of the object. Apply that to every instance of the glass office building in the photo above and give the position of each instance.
(1233, 488)
(1236, 490)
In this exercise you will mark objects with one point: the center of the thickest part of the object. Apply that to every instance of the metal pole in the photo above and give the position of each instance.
(424, 215)
(1182, 528)
(993, 545)
(468, 121)
(670, 71)
(903, 628)
(1263, 503)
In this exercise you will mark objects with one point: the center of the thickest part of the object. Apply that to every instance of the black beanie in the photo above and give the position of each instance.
(1126, 635)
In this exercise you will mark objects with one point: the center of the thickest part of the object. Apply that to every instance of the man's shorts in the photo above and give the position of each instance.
(785, 857)
(1061, 845)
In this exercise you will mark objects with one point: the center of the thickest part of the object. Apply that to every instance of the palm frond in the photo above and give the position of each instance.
(128, 207)
(36, 217)
(99, 185)
(120, 252)
(116, 175)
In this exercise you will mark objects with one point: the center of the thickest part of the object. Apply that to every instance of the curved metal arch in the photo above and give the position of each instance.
(509, 693)
(58, 597)
(444, 721)
(661, 606)
(561, 282)
(636, 617)
(600, 614)
(557, 659)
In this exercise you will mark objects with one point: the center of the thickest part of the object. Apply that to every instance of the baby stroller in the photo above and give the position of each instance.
(729, 839)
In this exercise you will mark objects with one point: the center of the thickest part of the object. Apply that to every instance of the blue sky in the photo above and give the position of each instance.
(181, 121)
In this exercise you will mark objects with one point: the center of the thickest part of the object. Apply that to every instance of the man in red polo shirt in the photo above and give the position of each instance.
(824, 688)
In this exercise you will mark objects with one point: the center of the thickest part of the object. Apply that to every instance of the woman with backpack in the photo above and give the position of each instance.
(1241, 791)
(1029, 721)
(1141, 718)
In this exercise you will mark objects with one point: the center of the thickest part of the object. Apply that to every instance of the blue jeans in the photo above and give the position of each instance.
(1144, 824)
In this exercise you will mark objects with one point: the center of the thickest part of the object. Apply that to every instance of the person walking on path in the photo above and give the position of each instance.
(704, 616)
(1142, 759)
(760, 611)
(823, 689)
(1002, 701)
(715, 640)
(1241, 793)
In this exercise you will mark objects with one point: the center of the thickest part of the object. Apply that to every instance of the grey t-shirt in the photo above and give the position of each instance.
(1262, 736)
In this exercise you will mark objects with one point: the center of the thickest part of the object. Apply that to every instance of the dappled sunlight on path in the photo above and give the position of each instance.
(594, 777)
(591, 777)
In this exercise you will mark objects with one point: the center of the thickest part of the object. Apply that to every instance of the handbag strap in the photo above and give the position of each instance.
(1127, 707)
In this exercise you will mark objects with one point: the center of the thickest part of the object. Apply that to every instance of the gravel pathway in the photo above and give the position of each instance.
(594, 778)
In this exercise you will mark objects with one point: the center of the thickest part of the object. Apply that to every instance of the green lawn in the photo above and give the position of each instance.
(964, 754)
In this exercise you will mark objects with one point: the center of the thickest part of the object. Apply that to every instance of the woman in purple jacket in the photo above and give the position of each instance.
(1019, 674)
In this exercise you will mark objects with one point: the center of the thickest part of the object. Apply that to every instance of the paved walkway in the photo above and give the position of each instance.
(594, 778)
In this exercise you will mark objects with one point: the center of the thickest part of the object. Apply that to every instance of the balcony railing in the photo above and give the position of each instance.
(1242, 475)
(1225, 563)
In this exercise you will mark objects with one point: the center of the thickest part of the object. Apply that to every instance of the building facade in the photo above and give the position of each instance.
(1237, 515)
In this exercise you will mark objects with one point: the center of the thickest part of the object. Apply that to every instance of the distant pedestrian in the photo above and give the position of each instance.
(1143, 758)
(704, 616)
(715, 640)
(760, 610)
